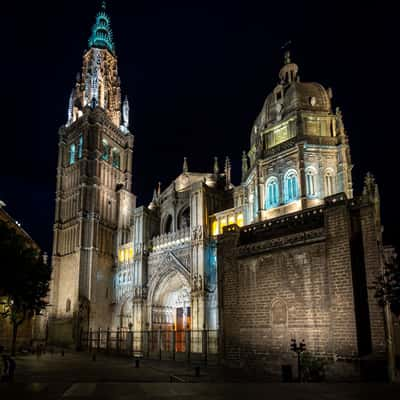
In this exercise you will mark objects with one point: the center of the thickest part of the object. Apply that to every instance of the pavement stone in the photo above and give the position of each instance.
(76, 377)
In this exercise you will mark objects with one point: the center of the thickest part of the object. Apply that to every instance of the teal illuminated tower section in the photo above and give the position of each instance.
(93, 196)
(102, 36)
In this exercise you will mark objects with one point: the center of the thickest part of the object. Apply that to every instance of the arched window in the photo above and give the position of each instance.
(311, 182)
(291, 186)
(116, 158)
(68, 305)
(106, 150)
(184, 218)
(80, 147)
(272, 198)
(329, 185)
(168, 224)
(72, 153)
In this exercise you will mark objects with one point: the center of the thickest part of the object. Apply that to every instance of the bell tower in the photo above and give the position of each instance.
(93, 195)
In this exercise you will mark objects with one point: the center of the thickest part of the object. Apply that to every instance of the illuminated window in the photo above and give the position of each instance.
(328, 183)
(291, 187)
(106, 150)
(231, 220)
(272, 193)
(80, 146)
(222, 223)
(310, 181)
(121, 255)
(130, 253)
(72, 153)
(68, 305)
(116, 158)
(215, 228)
(239, 220)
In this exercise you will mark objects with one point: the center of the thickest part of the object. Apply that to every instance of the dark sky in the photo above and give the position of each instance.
(196, 73)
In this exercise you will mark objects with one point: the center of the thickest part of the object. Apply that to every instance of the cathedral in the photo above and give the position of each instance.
(287, 253)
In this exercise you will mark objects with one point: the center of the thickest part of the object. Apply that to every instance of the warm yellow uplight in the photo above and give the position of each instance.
(214, 228)
(121, 255)
(239, 220)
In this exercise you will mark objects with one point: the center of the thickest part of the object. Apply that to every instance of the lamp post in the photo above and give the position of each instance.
(298, 349)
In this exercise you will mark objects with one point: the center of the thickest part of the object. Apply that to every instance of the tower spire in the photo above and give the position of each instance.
(185, 168)
(227, 171)
(245, 165)
(216, 166)
(102, 36)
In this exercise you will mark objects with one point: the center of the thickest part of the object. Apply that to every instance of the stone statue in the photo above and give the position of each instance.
(125, 113)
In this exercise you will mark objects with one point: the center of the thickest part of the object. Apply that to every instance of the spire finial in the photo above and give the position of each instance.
(245, 165)
(185, 168)
(216, 166)
(227, 171)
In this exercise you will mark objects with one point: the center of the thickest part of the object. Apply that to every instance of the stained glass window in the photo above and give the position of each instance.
(106, 150)
(272, 193)
(291, 186)
(116, 158)
(80, 147)
(72, 153)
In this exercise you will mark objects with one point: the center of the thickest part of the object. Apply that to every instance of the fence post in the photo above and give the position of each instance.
(108, 340)
(187, 344)
(205, 345)
(90, 340)
(117, 346)
(173, 340)
(129, 343)
(148, 343)
(159, 342)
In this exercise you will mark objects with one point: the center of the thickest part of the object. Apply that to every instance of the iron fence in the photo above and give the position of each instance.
(159, 344)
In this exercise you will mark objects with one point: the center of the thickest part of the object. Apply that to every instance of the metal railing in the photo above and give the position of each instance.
(201, 345)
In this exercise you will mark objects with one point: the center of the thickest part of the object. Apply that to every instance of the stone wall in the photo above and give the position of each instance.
(292, 277)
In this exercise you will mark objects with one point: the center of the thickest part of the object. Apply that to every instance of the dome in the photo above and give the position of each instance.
(291, 95)
(296, 96)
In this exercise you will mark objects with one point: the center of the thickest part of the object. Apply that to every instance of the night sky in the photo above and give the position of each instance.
(196, 74)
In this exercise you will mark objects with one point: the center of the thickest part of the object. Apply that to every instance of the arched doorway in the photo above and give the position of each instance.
(171, 302)
(170, 305)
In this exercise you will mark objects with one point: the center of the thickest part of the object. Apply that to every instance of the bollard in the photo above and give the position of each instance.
(94, 357)
(197, 371)
(62, 353)
(137, 362)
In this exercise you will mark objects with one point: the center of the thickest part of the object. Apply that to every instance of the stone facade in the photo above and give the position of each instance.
(287, 253)
(308, 275)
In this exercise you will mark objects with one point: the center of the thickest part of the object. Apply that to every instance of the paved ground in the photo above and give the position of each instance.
(77, 377)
